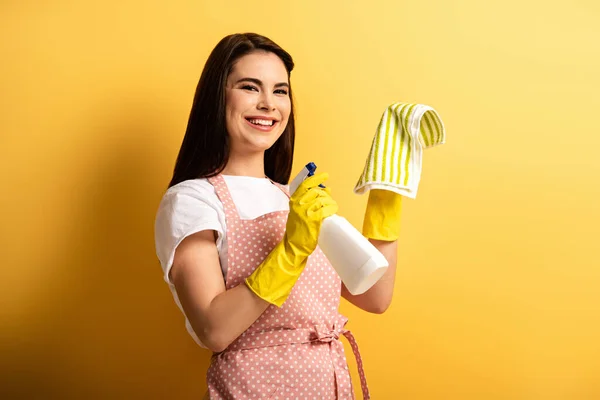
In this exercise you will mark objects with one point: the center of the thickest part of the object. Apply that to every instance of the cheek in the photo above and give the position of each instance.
(237, 103)
(286, 108)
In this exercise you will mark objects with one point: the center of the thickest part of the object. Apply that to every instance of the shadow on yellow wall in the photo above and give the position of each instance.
(110, 327)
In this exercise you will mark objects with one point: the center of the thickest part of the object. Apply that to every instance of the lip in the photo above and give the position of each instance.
(262, 117)
(262, 128)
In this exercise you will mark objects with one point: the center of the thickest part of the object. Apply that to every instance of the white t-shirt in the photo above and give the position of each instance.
(193, 206)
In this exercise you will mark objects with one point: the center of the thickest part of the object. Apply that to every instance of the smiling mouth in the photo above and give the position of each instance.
(261, 122)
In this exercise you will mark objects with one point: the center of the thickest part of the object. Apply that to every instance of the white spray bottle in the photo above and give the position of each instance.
(358, 263)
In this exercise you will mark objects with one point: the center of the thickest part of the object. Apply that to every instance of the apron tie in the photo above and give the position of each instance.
(332, 336)
(359, 364)
(319, 334)
(322, 334)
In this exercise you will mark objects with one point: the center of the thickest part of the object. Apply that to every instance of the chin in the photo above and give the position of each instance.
(266, 146)
(263, 143)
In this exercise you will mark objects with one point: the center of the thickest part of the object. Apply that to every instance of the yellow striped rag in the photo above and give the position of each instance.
(395, 160)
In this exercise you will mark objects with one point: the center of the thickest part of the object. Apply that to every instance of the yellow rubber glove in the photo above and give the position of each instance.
(274, 279)
(382, 216)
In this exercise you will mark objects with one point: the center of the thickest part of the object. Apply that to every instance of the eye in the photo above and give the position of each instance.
(282, 91)
(250, 87)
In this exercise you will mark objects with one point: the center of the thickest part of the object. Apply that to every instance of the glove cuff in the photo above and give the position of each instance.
(274, 279)
(382, 216)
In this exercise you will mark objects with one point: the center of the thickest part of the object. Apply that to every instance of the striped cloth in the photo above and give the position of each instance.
(396, 155)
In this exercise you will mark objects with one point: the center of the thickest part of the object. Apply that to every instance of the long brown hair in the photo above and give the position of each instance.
(205, 148)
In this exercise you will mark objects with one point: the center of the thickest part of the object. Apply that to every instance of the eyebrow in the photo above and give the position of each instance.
(259, 82)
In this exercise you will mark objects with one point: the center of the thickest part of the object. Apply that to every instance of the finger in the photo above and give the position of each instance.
(314, 194)
(323, 192)
(308, 197)
(310, 183)
(320, 203)
(313, 181)
(323, 211)
(329, 210)
(326, 192)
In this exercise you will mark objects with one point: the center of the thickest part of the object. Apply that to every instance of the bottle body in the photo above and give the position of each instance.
(358, 263)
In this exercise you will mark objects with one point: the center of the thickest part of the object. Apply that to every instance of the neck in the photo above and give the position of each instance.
(246, 165)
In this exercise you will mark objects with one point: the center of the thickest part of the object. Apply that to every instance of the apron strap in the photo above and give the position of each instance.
(222, 191)
(359, 364)
(281, 187)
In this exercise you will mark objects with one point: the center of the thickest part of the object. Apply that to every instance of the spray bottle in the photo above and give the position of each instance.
(358, 263)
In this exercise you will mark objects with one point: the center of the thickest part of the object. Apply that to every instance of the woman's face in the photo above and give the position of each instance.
(257, 102)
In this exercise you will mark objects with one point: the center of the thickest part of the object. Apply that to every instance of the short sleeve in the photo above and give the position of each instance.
(180, 214)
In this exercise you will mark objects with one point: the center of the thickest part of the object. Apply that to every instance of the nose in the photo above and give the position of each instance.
(266, 102)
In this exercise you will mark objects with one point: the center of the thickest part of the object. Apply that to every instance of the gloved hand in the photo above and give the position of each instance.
(382, 216)
(275, 277)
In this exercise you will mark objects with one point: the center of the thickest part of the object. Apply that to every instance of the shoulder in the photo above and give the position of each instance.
(189, 200)
(200, 189)
(192, 192)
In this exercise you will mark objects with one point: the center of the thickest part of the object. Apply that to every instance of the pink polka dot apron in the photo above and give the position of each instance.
(292, 352)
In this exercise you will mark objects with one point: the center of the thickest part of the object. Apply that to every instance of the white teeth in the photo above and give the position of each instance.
(264, 122)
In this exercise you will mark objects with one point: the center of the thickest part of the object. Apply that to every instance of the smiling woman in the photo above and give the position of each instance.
(241, 69)
(238, 251)
(258, 107)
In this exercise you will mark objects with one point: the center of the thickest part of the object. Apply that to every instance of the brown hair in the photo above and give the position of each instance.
(205, 148)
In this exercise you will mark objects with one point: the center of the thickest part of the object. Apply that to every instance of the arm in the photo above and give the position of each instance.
(382, 227)
(379, 297)
(218, 316)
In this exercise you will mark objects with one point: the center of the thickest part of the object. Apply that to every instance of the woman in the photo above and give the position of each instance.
(240, 254)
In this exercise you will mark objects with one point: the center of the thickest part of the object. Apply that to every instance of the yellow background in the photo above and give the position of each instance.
(498, 286)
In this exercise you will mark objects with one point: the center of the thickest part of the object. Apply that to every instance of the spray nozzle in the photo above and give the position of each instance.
(308, 170)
